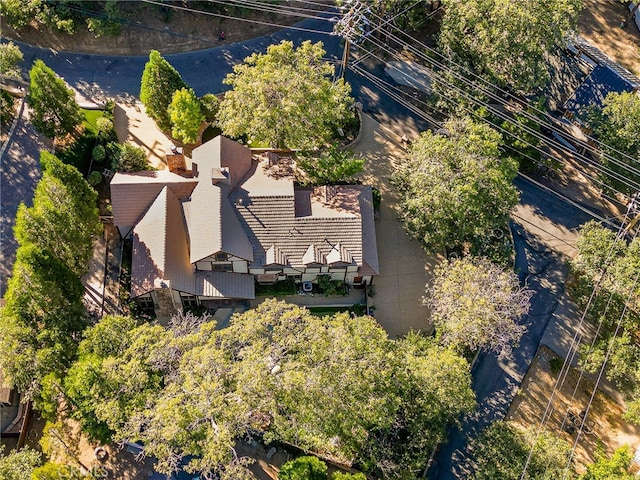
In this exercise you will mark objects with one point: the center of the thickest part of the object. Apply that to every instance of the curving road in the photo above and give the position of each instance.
(97, 77)
(541, 266)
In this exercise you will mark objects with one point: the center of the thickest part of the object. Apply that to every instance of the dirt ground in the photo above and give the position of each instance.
(605, 427)
(600, 25)
(184, 31)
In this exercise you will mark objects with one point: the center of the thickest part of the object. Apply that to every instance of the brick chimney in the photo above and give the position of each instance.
(175, 160)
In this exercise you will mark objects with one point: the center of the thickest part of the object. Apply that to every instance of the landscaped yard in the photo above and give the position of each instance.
(78, 153)
(90, 120)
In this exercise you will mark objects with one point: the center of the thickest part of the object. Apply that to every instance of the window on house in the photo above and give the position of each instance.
(145, 302)
(189, 301)
(222, 267)
(221, 257)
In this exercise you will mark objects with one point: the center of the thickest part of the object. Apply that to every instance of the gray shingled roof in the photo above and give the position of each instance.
(274, 256)
(132, 193)
(307, 225)
(160, 248)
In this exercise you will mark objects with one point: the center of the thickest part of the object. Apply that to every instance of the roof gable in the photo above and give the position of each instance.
(213, 224)
(339, 255)
(274, 256)
(160, 249)
(132, 193)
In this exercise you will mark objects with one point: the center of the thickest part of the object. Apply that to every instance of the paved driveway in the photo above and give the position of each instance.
(19, 174)
(404, 266)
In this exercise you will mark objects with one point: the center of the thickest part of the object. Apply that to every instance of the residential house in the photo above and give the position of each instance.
(207, 235)
(605, 77)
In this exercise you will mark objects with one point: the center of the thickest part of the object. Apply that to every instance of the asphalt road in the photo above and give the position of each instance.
(203, 70)
(96, 77)
(543, 270)
(19, 174)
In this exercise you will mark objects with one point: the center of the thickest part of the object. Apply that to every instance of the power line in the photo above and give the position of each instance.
(492, 85)
(600, 374)
(565, 199)
(536, 119)
(512, 134)
(557, 144)
(275, 8)
(574, 346)
(386, 87)
(220, 15)
(573, 349)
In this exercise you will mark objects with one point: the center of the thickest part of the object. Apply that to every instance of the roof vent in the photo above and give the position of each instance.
(219, 175)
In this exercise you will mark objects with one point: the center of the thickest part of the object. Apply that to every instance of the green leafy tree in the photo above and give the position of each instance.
(64, 215)
(616, 126)
(56, 471)
(477, 305)
(611, 262)
(501, 451)
(109, 25)
(42, 314)
(10, 57)
(303, 468)
(44, 311)
(186, 115)
(159, 81)
(55, 111)
(128, 158)
(398, 13)
(285, 98)
(119, 368)
(19, 13)
(335, 385)
(506, 42)
(331, 166)
(7, 108)
(456, 190)
(609, 468)
(18, 465)
(348, 476)
(210, 105)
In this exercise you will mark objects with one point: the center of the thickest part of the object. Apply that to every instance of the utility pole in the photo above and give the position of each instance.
(632, 209)
(345, 28)
(345, 57)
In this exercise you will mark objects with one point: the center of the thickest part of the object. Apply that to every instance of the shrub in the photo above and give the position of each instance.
(106, 132)
(99, 153)
(348, 476)
(304, 468)
(555, 364)
(377, 198)
(95, 178)
(7, 107)
(127, 158)
(210, 104)
(331, 287)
